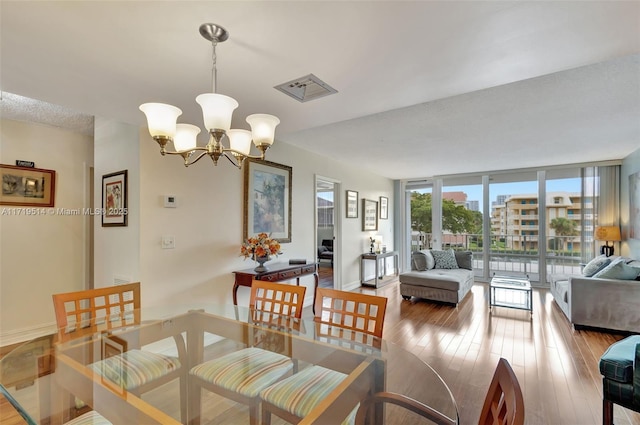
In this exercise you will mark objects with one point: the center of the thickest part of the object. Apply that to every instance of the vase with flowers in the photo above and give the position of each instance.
(260, 248)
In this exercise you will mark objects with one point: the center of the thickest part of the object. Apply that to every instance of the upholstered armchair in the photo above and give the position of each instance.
(325, 251)
(620, 369)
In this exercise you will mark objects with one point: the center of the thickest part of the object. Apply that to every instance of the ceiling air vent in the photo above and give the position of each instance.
(306, 88)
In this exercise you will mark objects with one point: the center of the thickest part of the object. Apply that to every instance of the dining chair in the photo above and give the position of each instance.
(354, 316)
(104, 310)
(405, 402)
(504, 403)
(241, 375)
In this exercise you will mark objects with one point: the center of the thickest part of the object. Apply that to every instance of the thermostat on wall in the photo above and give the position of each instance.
(170, 201)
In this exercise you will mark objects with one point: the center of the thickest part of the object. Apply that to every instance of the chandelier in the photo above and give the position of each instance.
(217, 110)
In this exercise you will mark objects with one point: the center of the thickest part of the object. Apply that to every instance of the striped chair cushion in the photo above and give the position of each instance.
(135, 368)
(89, 418)
(300, 393)
(246, 372)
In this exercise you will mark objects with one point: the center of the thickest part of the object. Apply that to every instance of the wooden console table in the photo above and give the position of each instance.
(277, 272)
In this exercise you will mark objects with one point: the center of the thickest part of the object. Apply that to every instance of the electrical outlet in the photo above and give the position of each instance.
(168, 242)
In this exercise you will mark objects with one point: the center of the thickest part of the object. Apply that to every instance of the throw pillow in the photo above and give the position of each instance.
(464, 259)
(617, 270)
(422, 260)
(595, 265)
(444, 259)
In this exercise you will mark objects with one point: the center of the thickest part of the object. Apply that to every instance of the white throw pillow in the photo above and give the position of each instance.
(595, 265)
(618, 269)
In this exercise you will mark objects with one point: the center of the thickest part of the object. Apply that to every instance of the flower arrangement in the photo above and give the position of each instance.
(261, 245)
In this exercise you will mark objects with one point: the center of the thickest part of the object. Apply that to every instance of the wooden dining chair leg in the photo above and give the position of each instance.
(254, 412)
(266, 416)
(184, 385)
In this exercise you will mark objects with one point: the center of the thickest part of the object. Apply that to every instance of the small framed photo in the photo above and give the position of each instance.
(384, 208)
(23, 186)
(114, 199)
(369, 215)
(352, 204)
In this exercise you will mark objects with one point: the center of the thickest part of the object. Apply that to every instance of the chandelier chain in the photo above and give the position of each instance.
(214, 70)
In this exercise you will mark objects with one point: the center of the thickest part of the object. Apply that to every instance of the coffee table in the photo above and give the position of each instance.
(510, 292)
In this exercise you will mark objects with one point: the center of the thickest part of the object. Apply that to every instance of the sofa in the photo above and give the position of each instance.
(438, 275)
(325, 251)
(606, 295)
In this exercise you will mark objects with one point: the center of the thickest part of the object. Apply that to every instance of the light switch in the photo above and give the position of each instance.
(168, 242)
(170, 201)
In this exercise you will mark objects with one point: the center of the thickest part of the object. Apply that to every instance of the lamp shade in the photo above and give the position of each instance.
(161, 119)
(240, 140)
(217, 110)
(186, 135)
(607, 233)
(263, 128)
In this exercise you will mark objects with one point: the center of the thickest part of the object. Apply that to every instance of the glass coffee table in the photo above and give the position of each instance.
(510, 292)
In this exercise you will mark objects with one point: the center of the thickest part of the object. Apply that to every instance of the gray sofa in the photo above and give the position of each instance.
(447, 282)
(599, 302)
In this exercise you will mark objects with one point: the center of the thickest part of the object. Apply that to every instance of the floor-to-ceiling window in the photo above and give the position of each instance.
(529, 222)
(462, 217)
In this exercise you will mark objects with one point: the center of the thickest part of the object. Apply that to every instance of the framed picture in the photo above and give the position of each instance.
(369, 215)
(24, 186)
(114, 199)
(384, 208)
(267, 200)
(634, 206)
(352, 204)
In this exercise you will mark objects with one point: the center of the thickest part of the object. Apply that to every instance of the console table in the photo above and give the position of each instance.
(377, 257)
(276, 272)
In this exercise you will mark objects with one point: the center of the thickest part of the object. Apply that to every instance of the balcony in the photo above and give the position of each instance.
(515, 254)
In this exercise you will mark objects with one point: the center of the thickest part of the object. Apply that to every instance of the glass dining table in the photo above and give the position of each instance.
(51, 380)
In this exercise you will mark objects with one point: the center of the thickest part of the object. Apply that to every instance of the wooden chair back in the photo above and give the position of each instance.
(277, 298)
(350, 311)
(85, 311)
(504, 404)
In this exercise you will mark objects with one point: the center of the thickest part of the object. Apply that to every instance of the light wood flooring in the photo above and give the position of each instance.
(557, 366)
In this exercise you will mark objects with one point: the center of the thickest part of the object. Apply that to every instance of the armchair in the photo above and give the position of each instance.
(620, 369)
(325, 251)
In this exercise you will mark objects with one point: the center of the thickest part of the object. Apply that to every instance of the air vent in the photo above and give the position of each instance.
(306, 88)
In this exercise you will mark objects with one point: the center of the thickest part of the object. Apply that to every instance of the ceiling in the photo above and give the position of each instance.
(424, 88)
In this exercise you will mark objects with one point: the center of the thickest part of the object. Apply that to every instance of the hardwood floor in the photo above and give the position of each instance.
(557, 366)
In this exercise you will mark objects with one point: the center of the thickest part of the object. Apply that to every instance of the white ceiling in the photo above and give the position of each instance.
(425, 88)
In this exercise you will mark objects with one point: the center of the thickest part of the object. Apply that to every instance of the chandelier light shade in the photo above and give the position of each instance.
(607, 233)
(217, 113)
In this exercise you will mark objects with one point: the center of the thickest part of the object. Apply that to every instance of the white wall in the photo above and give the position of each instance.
(42, 254)
(630, 165)
(116, 249)
(207, 224)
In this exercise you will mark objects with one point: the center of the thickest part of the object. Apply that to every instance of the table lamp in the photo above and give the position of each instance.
(607, 233)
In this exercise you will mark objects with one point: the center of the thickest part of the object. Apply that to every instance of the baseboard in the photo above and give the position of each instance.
(26, 334)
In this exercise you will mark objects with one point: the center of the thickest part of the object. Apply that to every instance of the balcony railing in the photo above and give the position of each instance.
(513, 254)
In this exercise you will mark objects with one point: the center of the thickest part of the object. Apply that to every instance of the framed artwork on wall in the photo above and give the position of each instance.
(369, 215)
(114, 199)
(24, 186)
(267, 200)
(384, 208)
(352, 204)
(634, 206)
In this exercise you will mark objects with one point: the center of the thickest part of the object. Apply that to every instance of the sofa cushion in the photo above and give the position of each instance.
(444, 259)
(464, 259)
(562, 289)
(617, 362)
(422, 260)
(618, 269)
(451, 280)
(595, 265)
